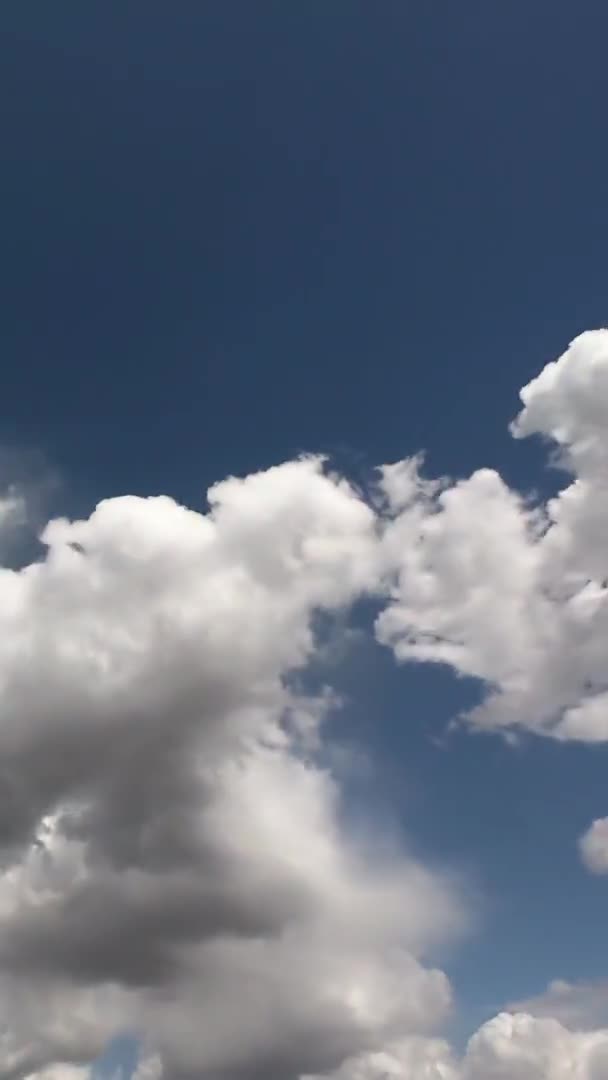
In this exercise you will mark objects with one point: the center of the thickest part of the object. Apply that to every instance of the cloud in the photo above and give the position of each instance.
(46, 1027)
(579, 1006)
(522, 1047)
(61, 1072)
(149, 1067)
(593, 846)
(511, 591)
(174, 859)
(173, 853)
(509, 1047)
(409, 1059)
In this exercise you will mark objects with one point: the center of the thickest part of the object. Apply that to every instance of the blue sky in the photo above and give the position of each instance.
(238, 232)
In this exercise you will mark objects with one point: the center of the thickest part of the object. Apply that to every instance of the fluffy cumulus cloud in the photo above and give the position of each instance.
(12, 514)
(512, 1046)
(517, 1046)
(510, 590)
(173, 855)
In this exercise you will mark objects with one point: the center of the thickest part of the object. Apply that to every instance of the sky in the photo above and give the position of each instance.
(303, 448)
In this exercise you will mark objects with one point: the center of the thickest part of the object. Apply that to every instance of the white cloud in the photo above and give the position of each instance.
(508, 591)
(174, 855)
(594, 846)
(409, 1059)
(61, 1072)
(511, 1046)
(522, 1047)
(174, 860)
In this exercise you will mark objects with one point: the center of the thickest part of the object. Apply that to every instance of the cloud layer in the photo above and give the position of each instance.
(174, 857)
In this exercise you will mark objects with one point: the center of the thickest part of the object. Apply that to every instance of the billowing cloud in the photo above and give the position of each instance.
(173, 848)
(174, 859)
(522, 1047)
(415, 1058)
(581, 1006)
(509, 590)
(512, 1046)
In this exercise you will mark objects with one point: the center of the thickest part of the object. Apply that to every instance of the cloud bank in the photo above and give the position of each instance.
(174, 860)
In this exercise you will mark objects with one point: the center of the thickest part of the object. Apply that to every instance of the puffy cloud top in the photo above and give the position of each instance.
(511, 591)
